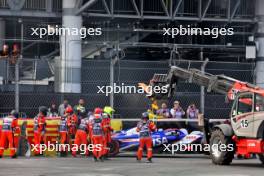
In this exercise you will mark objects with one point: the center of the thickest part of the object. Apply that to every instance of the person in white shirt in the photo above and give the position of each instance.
(62, 107)
(164, 111)
(177, 111)
(192, 112)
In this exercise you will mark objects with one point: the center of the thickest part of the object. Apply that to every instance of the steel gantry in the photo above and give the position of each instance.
(172, 10)
(169, 10)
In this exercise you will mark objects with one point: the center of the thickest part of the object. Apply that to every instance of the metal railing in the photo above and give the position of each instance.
(212, 10)
(36, 5)
(21, 115)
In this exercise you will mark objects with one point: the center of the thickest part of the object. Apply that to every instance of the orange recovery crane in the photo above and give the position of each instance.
(245, 133)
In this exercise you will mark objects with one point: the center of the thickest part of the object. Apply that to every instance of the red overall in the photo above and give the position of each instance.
(81, 136)
(7, 135)
(145, 138)
(72, 124)
(107, 133)
(39, 132)
(98, 139)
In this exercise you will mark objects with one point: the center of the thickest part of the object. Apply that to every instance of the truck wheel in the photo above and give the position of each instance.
(261, 158)
(224, 156)
(114, 148)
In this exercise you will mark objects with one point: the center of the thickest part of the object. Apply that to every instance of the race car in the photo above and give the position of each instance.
(127, 140)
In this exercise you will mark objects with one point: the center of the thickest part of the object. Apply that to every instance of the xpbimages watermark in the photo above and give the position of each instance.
(58, 31)
(188, 30)
(129, 89)
(83, 148)
(182, 147)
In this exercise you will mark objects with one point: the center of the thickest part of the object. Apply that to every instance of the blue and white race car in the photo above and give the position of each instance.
(127, 140)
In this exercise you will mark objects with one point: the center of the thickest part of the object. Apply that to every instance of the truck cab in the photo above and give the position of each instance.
(247, 114)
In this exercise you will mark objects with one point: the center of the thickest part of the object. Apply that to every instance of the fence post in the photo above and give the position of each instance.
(112, 71)
(112, 67)
(202, 93)
(17, 68)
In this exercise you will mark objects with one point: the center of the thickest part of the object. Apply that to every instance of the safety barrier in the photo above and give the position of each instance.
(51, 128)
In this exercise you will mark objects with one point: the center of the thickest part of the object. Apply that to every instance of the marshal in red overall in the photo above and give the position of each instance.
(145, 127)
(9, 127)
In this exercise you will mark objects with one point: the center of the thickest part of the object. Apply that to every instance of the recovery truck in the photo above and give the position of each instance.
(245, 132)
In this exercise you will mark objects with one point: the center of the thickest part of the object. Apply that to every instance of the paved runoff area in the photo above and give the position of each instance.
(182, 165)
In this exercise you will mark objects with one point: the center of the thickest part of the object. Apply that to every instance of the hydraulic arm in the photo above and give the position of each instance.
(214, 83)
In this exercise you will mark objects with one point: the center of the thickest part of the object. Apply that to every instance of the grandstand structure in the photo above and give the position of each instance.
(131, 49)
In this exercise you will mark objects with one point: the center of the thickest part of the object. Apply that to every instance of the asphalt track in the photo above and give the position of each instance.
(180, 165)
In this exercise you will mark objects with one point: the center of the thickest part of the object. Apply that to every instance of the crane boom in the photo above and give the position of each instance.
(214, 83)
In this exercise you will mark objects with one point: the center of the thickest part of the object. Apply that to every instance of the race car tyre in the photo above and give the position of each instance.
(114, 148)
(261, 158)
(219, 155)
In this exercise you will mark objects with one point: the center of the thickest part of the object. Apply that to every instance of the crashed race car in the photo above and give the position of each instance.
(128, 140)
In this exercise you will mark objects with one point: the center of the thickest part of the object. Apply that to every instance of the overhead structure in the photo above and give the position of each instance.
(203, 10)
(68, 66)
(260, 44)
(2, 31)
(3, 67)
(85, 6)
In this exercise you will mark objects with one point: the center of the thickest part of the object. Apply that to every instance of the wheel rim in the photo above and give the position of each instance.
(112, 147)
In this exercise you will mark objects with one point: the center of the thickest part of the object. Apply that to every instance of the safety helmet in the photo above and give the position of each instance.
(109, 110)
(14, 113)
(145, 116)
(43, 110)
(69, 110)
(98, 111)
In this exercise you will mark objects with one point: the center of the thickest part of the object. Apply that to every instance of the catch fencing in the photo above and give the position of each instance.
(129, 72)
